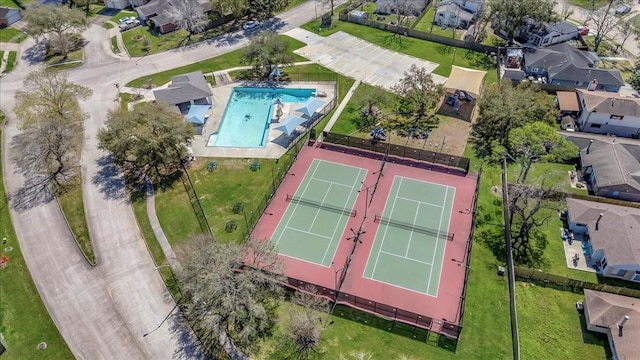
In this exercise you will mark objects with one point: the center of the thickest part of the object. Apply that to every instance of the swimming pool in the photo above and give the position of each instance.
(247, 118)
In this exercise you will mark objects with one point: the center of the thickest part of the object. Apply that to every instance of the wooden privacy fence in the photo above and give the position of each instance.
(565, 283)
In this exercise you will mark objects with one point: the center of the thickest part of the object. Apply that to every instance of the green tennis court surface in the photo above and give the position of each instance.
(409, 246)
(317, 214)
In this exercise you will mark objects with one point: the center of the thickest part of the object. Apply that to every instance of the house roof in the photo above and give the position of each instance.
(563, 27)
(4, 11)
(184, 88)
(161, 19)
(567, 101)
(610, 103)
(453, 6)
(608, 310)
(565, 62)
(612, 163)
(617, 230)
(154, 7)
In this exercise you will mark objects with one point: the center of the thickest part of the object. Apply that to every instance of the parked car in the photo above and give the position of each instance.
(128, 23)
(622, 9)
(250, 25)
(583, 31)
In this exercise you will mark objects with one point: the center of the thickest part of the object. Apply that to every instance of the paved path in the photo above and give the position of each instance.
(345, 101)
(360, 59)
(157, 229)
(103, 312)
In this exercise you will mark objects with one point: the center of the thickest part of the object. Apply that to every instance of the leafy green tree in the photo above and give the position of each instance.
(635, 81)
(370, 107)
(238, 8)
(538, 141)
(503, 107)
(265, 51)
(419, 97)
(510, 15)
(262, 9)
(56, 21)
(50, 117)
(231, 292)
(151, 139)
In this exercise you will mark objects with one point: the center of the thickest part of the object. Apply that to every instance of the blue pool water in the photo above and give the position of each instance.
(247, 118)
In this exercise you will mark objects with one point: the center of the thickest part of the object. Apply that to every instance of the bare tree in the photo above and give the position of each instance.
(237, 8)
(403, 9)
(604, 22)
(55, 20)
(626, 30)
(189, 15)
(370, 103)
(566, 9)
(230, 292)
(307, 322)
(50, 118)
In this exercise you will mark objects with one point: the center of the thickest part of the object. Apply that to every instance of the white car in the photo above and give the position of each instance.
(250, 25)
(128, 23)
(622, 9)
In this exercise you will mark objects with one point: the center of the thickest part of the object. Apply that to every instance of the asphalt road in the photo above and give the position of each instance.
(103, 312)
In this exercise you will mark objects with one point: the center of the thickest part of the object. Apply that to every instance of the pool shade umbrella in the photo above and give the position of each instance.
(290, 124)
(277, 102)
(197, 114)
(310, 107)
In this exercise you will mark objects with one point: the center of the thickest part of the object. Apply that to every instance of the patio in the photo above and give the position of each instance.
(573, 248)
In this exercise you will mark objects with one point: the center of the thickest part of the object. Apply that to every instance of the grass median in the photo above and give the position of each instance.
(72, 206)
(11, 62)
(24, 321)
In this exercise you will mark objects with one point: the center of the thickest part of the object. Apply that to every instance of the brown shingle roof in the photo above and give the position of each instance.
(617, 231)
(568, 100)
(610, 103)
(607, 310)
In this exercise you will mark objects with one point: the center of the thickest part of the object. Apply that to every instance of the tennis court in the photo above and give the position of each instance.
(316, 215)
(409, 246)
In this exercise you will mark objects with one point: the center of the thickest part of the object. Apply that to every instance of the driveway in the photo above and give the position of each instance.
(103, 312)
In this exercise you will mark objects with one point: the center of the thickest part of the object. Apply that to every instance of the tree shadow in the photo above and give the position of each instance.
(35, 54)
(188, 344)
(35, 191)
(108, 179)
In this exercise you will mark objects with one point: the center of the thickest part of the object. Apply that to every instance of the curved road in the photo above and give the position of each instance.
(103, 312)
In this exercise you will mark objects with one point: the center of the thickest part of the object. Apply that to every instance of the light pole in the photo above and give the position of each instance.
(368, 199)
(163, 321)
(161, 266)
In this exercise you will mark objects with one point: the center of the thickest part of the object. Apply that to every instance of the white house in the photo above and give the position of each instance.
(452, 14)
(608, 113)
(612, 243)
(123, 4)
(543, 34)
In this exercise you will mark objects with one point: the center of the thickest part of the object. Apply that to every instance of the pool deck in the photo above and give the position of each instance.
(277, 143)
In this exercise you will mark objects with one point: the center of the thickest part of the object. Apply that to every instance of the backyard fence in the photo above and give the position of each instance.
(201, 217)
(378, 148)
(467, 259)
(559, 282)
(469, 45)
(310, 76)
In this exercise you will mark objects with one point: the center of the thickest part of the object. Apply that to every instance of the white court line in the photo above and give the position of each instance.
(447, 241)
(419, 202)
(308, 232)
(384, 236)
(415, 217)
(331, 182)
(303, 260)
(401, 287)
(319, 209)
(344, 165)
(425, 181)
(406, 258)
(286, 225)
(345, 206)
(433, 257)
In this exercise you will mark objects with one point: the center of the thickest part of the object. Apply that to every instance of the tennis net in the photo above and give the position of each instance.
(413, 227)
(320, 205)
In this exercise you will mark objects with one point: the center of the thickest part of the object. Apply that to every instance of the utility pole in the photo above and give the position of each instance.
(510, 269)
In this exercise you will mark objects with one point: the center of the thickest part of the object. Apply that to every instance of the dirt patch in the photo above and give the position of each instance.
(450, 137)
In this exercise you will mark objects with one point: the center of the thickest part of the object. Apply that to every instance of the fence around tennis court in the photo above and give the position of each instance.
(398, 151)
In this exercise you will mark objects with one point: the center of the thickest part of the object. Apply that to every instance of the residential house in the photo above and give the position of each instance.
(191, 95)
(123, 4)
(413, 7)
(567, 66)
(543, 34)
(156, 12)
(452, 14)
(616, 316)
(9, 16)
(611, 169)
(608, 113)
(611, 243)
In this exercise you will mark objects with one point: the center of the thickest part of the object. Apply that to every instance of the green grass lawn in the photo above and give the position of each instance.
(24, 321)
(442, 54)
(11, 62)
(75, 58)
(226, 61)
(114, 45)
(73, 208)
(588, 4)
(95, 9)
(107, 25)
(551, 328)
(9, 34)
